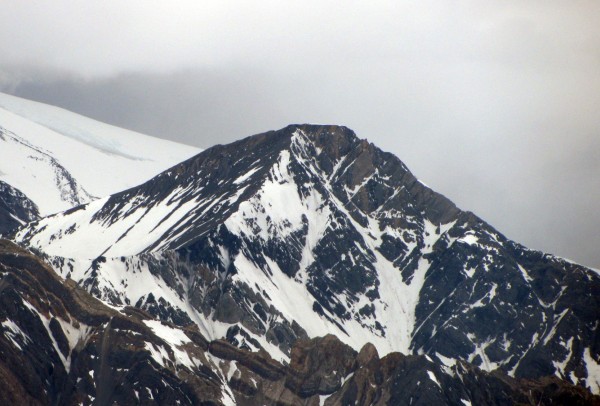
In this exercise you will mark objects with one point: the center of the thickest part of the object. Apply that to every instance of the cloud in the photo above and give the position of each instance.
(491, 103)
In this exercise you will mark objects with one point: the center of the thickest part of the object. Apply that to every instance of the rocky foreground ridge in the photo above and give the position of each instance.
(60, 345)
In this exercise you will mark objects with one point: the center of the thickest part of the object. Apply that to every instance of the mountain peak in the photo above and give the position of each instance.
(335, 140)
(193, 197)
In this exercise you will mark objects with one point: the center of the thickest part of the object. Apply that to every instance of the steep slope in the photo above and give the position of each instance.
(310, 231)
(59, 345)
(60, 159)
(15, 209)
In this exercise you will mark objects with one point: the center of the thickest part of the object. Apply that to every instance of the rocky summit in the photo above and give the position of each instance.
(299, 266)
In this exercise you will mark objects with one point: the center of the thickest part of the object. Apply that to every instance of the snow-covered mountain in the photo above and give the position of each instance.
(59, 159)
(309, 231)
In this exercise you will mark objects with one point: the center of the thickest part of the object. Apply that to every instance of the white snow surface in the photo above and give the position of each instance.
(91, 238)
(593, 371)
(100, 158)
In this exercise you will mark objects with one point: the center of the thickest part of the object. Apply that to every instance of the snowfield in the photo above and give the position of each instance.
(60, 159)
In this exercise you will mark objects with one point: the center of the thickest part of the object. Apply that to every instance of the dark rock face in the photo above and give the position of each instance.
(514, 301)
(15, 209)
(367, 251)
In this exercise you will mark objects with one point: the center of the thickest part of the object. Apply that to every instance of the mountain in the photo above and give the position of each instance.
(308, 231)
(60, 345)
(59, 159)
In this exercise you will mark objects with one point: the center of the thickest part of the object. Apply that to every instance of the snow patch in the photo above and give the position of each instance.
(15, 334)
(171, 335)
(469, 239)
(245, 176)
(593, 371)
(433, 378)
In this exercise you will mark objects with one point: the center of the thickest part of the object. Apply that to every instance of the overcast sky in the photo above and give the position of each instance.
(495, 104)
